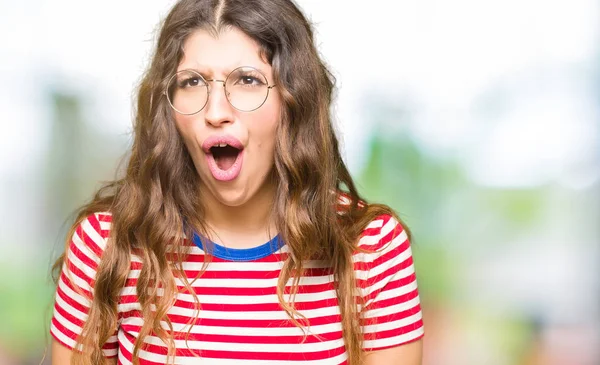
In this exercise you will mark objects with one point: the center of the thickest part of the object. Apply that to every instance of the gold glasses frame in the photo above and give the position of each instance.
(208, 90)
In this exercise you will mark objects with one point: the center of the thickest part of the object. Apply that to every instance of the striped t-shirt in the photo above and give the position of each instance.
(240, 320)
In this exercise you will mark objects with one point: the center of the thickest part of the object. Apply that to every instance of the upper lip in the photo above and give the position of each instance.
(218, 139)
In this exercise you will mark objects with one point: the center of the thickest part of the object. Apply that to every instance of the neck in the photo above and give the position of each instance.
(246, 225)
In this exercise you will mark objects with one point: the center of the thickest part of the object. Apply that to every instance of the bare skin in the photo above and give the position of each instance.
(409, 354)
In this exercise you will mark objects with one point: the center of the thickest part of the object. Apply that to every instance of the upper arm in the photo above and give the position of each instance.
(407, 354)
(391, 316)
(74, 291)
(60, 353)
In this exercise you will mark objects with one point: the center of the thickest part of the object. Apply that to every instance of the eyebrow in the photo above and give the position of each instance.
(202, 71)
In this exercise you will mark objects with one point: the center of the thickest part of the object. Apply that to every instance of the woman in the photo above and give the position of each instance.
(236, 235)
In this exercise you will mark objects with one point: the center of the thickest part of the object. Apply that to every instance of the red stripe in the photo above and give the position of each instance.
(391, 286)
(64, 330)
(387, 274)
(384, 240)
(264, 323)
(234, 339)
(104, 217)
(253, 274)
(128, 355)
(78, 272)
(194, 257)
(254, 307)
(71, 301)
(393, 316)
(394, 300)
(68, 316)
(90, 243)
(247, 355)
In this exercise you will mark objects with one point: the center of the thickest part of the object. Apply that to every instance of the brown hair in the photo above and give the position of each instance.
(159, 190)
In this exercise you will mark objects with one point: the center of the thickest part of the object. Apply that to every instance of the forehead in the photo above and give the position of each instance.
(220, 54)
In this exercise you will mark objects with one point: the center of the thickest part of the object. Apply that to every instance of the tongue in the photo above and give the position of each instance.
(225, 157)
(225, 162)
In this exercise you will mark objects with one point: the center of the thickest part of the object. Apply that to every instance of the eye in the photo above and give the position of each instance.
(247, 78)
(192, 81)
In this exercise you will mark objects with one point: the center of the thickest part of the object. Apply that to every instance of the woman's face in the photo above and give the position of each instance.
(235, 174)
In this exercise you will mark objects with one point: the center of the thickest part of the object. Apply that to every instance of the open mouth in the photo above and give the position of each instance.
(224, 155)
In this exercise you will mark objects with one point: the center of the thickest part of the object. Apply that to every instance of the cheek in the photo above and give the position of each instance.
(185, 128)
(265, 127)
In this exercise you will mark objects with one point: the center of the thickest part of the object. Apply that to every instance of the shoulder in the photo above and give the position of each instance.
(90, 237)
(383, 246)
(380, 232)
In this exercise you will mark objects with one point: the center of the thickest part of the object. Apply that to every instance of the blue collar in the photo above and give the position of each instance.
(240, 254)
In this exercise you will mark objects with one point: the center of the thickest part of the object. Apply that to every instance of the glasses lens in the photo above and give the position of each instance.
(247, 88)
(187, 92)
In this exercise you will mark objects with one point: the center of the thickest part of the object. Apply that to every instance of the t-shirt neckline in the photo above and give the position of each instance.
(240, 254)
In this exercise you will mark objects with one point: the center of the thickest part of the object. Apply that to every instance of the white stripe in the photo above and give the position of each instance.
(73, 295)
(382, 283)
(248, 265)
(94, 235)
(396, 308)
(388, 294)
(63, 338)
(332, 361)
(257, 299)
(88, 271)
(391, 224)
(103, 224)
(123, 360)
(127, 307)
(242, 299)
(234, 266)
(129, 290)
(368, 240)
(270, 315)
(372, 256)
(110, 352)
(376, 223)
(380, 327)
(70, 309)
(385, 229)
(245, 283)
(376, 270)
(246, 331)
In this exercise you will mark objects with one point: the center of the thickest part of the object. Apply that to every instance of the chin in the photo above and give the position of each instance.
(233, 194)
(232, 198)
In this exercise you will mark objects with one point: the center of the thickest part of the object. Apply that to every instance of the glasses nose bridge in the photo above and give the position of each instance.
(210, 89)
(216, 80)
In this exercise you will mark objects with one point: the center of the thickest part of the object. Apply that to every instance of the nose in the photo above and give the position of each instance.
(218, 110)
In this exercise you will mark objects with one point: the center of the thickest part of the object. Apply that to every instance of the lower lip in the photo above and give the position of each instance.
(225, 175)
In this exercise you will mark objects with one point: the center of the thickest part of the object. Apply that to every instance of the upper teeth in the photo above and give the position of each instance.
(222, 144)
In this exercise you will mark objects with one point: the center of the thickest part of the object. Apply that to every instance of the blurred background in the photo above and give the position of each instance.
(478, 121)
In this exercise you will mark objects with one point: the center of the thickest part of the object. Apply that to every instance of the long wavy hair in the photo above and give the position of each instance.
(158, 196)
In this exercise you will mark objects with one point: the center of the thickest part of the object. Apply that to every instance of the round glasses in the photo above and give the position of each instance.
(246, 89)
